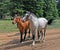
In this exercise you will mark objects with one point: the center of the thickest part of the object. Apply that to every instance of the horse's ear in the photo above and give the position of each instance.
(15, 15)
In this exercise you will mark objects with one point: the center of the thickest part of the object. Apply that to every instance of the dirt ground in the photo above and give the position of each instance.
(10, 41)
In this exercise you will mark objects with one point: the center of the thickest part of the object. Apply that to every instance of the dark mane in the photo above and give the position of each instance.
(31, 13)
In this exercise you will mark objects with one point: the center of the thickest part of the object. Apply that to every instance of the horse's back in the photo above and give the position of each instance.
(42, 22)
(43, 19)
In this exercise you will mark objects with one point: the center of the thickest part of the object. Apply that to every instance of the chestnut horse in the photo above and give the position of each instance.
(22, 26)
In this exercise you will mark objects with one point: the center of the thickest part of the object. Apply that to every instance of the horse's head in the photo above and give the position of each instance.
(30, 16)
(27, 16)
(16, 19)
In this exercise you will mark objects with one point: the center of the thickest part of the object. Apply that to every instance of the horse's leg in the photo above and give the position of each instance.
(44, 32)
(34, 36)
(29, 34)
(25, 34)
(41, 35)
(21, 37)
(38, 33)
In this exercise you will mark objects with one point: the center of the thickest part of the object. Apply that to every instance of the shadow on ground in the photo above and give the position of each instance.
(14, 35)
(15, 43)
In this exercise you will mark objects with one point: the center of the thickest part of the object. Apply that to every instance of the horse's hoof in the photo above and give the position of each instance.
(33, 43)
(20, 41)
(40, 41)
(43, 40)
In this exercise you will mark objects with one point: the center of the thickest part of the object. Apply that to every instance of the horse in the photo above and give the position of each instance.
(22, 26)
(39, 25)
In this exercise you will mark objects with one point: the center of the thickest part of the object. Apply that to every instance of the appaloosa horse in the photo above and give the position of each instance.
(39, 24)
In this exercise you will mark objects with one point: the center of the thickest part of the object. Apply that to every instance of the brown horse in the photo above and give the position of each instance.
(22, 26)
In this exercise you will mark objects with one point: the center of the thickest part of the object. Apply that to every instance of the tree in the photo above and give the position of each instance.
(42, 8)
(50, 9)
(3, 8)
(16, 7)
(58, 6)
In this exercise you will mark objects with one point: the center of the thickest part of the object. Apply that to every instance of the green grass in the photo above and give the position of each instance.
(7, 26)
(55, 24)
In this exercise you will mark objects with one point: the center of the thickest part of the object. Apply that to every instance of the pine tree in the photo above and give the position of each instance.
(55, 12)
(40, 6)
(51, 9)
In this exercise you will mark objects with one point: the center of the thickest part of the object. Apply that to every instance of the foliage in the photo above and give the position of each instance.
(42, 8)
(58, 6)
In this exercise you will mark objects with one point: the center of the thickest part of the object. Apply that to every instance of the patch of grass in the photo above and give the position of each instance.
(7, 26)
(55, 24)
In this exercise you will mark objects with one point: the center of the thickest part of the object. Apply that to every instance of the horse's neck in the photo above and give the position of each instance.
(31, 22)
(20, 23)
(34, 19)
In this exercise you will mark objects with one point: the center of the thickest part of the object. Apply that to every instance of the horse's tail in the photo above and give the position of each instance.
(50, 21)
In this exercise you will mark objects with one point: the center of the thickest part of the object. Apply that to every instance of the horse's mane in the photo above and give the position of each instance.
(28, 12)
(33, 15)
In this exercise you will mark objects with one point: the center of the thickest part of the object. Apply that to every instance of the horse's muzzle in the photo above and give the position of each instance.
(12, 22)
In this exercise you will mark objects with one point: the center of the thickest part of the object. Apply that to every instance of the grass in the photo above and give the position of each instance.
(55, 24)
(7, 26)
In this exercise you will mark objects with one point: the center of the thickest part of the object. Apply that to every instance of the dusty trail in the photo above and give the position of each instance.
(10, 41)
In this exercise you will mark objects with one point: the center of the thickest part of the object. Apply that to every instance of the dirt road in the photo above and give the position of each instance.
(10, 41)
